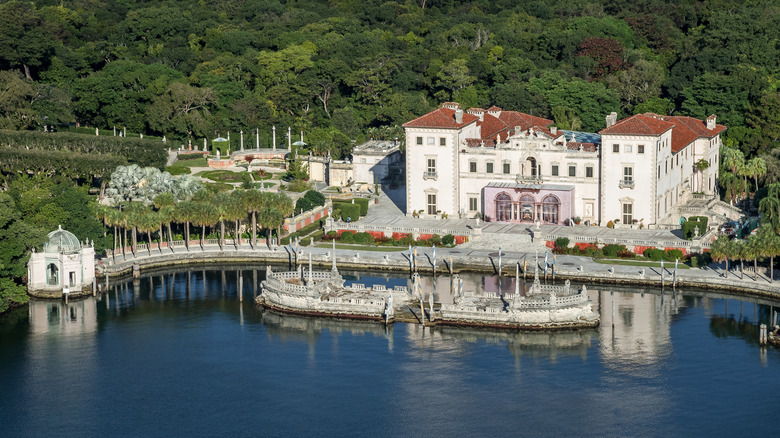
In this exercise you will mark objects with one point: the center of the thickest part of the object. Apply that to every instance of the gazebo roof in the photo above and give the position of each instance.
(62, 241)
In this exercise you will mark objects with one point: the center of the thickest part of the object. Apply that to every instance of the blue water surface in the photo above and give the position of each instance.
(160, 357)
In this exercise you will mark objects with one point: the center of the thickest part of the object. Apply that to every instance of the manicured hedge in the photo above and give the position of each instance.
(348, 210)
(363, 203)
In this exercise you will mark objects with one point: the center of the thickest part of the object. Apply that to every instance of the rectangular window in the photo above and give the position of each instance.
(616, 148)
(628, 176)
(473, 166)
(640, 149)
(506, 168)
(628, 213)
(443, 141)
(589, 171)
(629, 148)
(489, 168)
(431, 203)
(473, 204)
(659, 171)
(554, 171)
(431, 141)
(419, 141)
(430, 168)
(572, 170)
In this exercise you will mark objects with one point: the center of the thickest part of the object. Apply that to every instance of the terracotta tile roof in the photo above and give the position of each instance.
(639, 124)
(688, 129)
(440, 118)
(524, 121)
(685, 130)
(490, 126)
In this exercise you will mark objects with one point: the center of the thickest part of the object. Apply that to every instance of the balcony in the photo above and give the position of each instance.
(626, 183)
(528, 178)
(430, 175)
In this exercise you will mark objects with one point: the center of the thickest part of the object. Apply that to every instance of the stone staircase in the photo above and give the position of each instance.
(713, 208)
(509, 240)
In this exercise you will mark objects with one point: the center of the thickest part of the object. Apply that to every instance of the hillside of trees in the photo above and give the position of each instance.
(343, 70)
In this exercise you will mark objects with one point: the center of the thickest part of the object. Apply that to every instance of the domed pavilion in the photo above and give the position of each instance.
(65, 263)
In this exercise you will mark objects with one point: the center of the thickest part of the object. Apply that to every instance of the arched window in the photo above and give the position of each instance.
(550, 207)
(531, 166)
(527, 208)
(52, 275)
(503, 207)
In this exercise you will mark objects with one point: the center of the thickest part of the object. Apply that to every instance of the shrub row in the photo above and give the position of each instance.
(404, 240)
(617, 251)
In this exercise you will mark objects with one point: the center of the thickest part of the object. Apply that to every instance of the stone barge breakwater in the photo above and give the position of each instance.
(324, 294)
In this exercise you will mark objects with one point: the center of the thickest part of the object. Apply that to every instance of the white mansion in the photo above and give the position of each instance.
(512, 167)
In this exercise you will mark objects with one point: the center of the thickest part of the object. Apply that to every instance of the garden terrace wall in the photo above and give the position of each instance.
(295, 223)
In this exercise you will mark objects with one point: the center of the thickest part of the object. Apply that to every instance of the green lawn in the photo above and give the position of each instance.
(361, 247)
(221, 175)
(195, 162)
(642, 263)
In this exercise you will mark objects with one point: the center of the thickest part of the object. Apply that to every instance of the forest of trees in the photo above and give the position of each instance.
(344, 70)
(339, 68)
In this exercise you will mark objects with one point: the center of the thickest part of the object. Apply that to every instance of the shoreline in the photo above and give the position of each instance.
(377, 261)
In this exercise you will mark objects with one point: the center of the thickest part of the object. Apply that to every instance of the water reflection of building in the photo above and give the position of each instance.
(550, 344)
(641, 330)
(73, 318)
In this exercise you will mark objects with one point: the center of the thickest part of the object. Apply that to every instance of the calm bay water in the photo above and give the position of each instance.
(166, 356)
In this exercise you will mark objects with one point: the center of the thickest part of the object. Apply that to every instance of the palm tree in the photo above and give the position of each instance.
(757, 167)
(184, 211)
(165, 203)
(744, 171)
(719, 251)
(132, 219)
(769, 246)
(730, 183)
(253, 201)
(733, 159)
(235, 210)
(769, 207)
(114, 218)
(283, 206)
(701, 166)
(148, 221)
(752, 251)
(220, 204)
(736, 251)
(204, 214)
(772, 249)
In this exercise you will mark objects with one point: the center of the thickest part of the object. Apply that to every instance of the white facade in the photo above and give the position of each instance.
(64, 263)
(636, 170)
(372, 161)
(649, 166)
(432, 163)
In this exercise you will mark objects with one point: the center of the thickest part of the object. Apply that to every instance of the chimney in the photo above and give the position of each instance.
(611, 119)
(554, 130)
(458, 116)
(711, 122)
